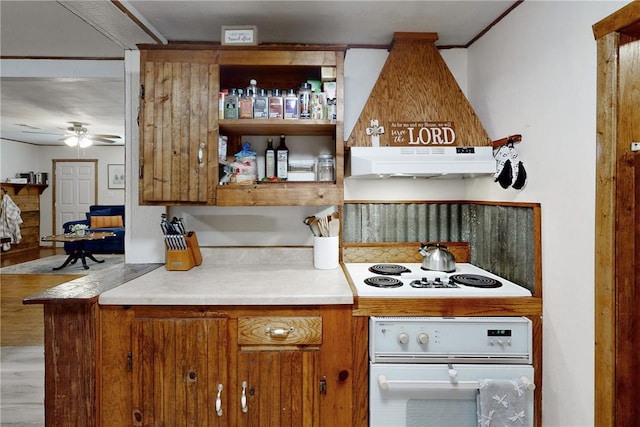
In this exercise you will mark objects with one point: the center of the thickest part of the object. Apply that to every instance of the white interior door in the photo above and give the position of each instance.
(75, 191)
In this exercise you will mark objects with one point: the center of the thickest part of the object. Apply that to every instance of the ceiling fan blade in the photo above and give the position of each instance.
(97, 139)
(42, 133)
(99, 135)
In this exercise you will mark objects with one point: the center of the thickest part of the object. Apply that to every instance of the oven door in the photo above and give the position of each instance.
(412, 395)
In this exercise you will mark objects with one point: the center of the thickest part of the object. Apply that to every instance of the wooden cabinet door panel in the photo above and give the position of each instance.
(177, 367)
(282, 388)
(178, 131)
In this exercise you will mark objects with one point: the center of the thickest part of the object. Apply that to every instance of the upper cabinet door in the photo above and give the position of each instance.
(178, 127)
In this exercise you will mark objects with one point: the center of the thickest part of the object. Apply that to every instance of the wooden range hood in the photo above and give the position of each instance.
(415, 85)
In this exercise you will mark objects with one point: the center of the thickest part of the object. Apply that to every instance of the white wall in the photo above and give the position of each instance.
(143, 241)
(535, 74)
(17, 157)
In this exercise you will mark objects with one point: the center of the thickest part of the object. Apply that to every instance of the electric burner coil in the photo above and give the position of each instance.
(389, 269)
(383, 282)
(475, 281)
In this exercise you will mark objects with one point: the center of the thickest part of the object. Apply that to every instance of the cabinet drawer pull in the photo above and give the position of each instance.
(219, 401)
(243, 399)
(278, 332)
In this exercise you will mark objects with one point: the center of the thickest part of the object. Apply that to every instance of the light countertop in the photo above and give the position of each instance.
(238, 276)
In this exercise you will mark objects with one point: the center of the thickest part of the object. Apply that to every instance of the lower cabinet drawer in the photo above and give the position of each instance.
(279, 330)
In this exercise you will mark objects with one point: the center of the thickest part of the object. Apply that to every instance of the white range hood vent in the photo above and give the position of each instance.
(423, 162)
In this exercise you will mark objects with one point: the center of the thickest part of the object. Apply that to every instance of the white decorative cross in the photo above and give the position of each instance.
(375, 131)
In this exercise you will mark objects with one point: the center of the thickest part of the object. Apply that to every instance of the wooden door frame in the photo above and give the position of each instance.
(612, 179)
(55, 189)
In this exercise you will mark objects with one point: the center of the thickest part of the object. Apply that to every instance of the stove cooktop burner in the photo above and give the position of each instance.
(383, 282)
(475, 280)
(389, 269)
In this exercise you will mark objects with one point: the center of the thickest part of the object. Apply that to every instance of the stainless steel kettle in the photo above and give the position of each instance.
(437, 257)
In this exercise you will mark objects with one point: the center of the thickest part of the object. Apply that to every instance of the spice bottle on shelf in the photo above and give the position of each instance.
(261, 105)
(231, 104)
(291, 105)
(245, 109)
(282, 160)
(276, 104)
(304, 95)
(270, 160)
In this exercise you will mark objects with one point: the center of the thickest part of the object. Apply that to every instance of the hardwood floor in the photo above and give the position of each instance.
(11, 258)
(22, 325)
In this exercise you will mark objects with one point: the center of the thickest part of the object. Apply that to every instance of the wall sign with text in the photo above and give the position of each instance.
(421, 133)
(239, 35)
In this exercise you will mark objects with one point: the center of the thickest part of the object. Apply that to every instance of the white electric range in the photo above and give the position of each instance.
(409, 280)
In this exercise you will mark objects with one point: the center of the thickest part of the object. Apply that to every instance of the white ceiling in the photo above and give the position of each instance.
(35, 95)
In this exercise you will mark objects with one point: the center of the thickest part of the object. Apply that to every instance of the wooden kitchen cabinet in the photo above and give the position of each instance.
(280, 384)
(280, 387)
(178, 127)
(269, 366)
(284, 67)
(179, 369)
(180, 122)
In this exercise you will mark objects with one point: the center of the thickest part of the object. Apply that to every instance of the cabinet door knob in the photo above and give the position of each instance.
(219, 401)
(243, 398)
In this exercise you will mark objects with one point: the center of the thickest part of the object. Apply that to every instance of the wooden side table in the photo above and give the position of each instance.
(79, 252)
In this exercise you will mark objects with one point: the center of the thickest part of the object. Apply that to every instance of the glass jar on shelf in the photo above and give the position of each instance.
(325, 168)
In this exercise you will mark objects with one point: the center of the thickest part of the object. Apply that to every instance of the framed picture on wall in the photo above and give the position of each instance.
(115, 176)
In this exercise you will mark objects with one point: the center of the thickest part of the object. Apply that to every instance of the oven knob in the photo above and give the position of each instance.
(423, 338)
(403, 338)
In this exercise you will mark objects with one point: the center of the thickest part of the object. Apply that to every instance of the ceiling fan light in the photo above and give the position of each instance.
(72, 141)
(85, 142)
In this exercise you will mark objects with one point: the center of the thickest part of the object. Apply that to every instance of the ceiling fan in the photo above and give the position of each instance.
(80, 136)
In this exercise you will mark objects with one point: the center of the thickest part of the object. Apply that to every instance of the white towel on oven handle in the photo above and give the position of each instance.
(502, 403)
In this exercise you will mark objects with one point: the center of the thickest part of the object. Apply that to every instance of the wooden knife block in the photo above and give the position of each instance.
(185, 259)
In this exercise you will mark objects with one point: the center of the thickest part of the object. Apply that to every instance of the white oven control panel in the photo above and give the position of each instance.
(450, 339)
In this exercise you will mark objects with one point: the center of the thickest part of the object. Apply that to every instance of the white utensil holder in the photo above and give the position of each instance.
(325, 252)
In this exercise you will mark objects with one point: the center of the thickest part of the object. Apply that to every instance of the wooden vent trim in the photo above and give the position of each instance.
(415, 84)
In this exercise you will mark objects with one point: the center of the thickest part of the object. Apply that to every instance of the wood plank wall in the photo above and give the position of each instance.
(504, 238)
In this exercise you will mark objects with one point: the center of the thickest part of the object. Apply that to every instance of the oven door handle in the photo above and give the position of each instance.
(386, 384)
